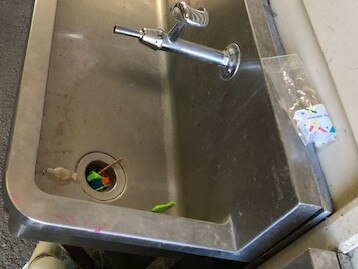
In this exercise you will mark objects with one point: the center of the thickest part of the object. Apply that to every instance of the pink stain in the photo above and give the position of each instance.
(88, 223)
(323, 130)
(64, 219)
(15, 197)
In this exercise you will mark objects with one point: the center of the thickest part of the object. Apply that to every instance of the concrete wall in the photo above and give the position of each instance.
(15, 19)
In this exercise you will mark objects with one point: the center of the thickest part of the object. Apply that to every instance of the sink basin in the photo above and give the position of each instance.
(223, 151)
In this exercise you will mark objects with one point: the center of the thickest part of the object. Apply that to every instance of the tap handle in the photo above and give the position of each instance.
(183, 13)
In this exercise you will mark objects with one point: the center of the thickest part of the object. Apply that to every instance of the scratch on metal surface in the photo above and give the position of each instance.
(277, 183)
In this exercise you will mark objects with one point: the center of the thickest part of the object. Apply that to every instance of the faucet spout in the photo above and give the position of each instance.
(125, 31)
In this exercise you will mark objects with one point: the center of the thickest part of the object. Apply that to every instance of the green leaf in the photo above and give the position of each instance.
(162, 208)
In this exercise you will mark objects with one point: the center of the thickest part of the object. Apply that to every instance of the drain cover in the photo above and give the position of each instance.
(96, 161)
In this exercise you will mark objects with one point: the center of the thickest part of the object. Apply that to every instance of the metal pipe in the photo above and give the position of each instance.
(195, 51)
(45, 257)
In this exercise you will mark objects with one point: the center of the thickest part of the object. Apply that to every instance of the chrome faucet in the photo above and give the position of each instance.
(228, 60)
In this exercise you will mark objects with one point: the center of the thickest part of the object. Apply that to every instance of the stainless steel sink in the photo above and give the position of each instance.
(223, 151)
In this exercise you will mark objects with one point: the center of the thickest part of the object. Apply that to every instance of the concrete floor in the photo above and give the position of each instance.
(15, 19)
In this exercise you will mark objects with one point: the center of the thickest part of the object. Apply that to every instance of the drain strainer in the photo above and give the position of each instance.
(95, 161)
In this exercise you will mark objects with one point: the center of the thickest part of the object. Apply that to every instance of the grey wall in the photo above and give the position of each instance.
(15, 19)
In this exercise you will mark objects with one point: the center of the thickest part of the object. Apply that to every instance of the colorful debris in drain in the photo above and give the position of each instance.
(98, 182)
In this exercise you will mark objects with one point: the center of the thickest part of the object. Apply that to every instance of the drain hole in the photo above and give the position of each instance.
(109, 177)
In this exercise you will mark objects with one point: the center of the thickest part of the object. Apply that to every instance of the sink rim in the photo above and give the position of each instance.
(23, 154)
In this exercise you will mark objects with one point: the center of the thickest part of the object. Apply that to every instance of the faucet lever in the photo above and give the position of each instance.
(187, 16)
(183, 13)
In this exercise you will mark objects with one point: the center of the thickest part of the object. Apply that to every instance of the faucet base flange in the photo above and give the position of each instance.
(234, 54)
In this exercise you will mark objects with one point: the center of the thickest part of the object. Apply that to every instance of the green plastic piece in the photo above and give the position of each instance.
(101, 188)
(93, 176)
(162, 208)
